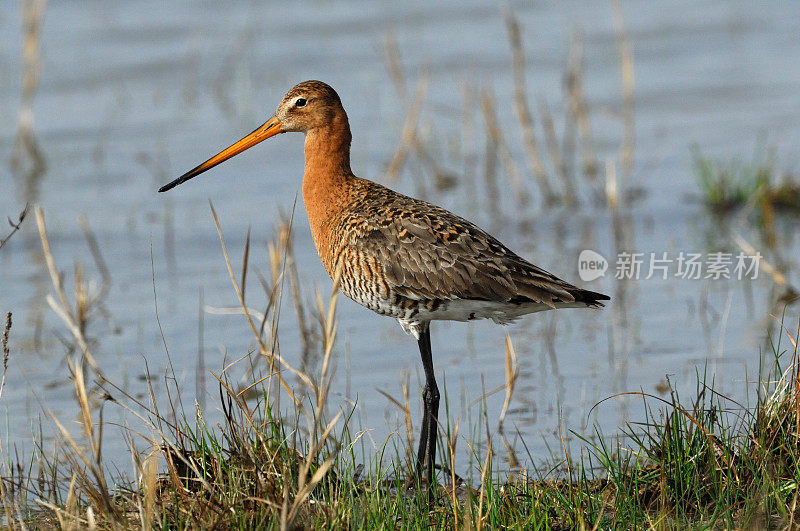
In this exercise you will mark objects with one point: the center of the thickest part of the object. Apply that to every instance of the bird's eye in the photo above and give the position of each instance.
(300, 102)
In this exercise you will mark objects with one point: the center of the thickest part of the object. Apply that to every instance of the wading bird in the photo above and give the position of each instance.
(396, 255)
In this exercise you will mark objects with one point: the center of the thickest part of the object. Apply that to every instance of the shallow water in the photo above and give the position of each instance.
(133, 94)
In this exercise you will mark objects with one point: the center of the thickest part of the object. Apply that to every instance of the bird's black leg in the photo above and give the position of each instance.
(426, 454)
(422, 449)
(424, 347)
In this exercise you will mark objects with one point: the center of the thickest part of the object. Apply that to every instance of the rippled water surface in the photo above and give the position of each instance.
(132, 94)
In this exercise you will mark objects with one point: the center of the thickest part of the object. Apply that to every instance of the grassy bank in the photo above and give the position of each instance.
(701, 462)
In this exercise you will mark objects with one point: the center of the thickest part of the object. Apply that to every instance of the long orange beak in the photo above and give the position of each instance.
(271, 128)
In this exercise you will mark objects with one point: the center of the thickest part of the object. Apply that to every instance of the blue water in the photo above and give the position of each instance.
(133, 94)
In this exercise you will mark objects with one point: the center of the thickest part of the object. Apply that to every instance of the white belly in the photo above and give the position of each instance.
(469, 310)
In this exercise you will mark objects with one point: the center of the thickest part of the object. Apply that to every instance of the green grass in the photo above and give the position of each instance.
(727, 185)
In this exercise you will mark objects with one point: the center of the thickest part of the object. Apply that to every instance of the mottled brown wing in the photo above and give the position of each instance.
(430, 253)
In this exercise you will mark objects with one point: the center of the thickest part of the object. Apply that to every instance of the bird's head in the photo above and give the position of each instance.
(307, 106)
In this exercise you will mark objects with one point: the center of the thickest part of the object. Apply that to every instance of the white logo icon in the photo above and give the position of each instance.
(591, 265)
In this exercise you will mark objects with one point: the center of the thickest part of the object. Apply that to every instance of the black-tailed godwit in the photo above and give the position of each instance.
(397, 255)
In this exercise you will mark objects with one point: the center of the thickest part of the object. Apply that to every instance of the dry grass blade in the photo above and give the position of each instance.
(285, 239)
(263, 348)
(468, 136)
(490, 176)
(327, 320)
(10, 505)
(790, 379)
(94, 248)
(305, 487)
(213, 310)
(485, 472)
(404, 407)
(95, 488)
(452, 442)
(407, 416)
(62, 307)
(15, 225)
(149, 487)
(523, 111)
(245, 262)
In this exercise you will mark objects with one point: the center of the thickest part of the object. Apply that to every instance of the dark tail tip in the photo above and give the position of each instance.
(591, 298)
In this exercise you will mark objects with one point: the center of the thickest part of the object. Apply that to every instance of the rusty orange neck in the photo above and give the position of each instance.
(327, 149)
(325, 179)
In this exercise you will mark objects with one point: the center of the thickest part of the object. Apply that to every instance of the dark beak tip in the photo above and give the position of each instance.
(166, 187)
(180, 180)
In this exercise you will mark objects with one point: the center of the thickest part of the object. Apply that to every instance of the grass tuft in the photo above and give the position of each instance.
(728, 185)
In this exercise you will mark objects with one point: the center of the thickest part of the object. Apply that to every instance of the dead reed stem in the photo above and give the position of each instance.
(523, 111)
(490, 176)
(200, 369)
(468, 141)
(777, 277)
(408, 138)
(611, 187)
(512, 373)
(6, 353)
(26, 149)
(554, 151)
(486, 468)
(409, 130)
(97, 256)
(628, 85)
(393, 60)
(501, 148)
(576, 103)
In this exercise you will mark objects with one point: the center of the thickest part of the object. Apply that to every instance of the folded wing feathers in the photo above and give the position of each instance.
(430, 253)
